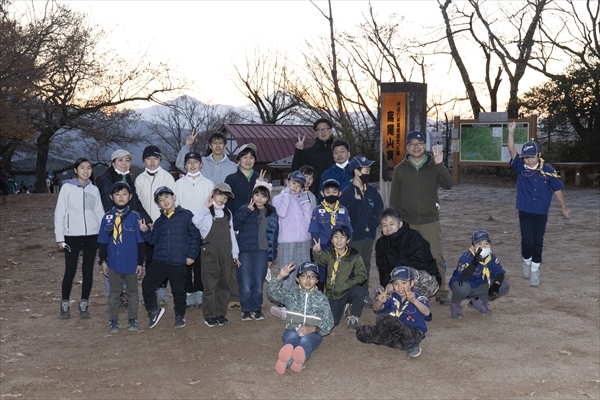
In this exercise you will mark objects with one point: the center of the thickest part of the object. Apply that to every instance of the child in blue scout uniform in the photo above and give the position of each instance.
(401, 323)
(305, 299)
(364, 204)
(479, 276)
(176, 244)
(122, 251)
(328, 214)
(257, 224)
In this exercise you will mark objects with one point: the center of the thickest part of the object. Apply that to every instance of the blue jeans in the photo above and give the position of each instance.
(251, 275)
(309, 343)
(533, 227)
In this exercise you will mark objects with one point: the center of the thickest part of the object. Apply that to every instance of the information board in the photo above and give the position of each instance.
(488, 142)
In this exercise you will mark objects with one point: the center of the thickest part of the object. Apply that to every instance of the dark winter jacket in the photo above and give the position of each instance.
(175, 238)
(104, 183)
(246, 222)
(364, 209)
(414, 192)
(319, 156)
(405, 247)
(351, 271)
(241, 187)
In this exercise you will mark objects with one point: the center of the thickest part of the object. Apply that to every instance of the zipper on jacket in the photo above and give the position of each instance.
(84, 219)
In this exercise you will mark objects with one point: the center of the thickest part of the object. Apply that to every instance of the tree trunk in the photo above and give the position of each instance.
(43, 148)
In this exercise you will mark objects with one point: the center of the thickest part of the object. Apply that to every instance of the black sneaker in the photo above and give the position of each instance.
(65, 309)
(246, 316)
(132, 325)
(222, 320)
(83, 309)
(113, 326)
(257, 315)
(155, 317)
(179, 321)
(211, 322)
(413, 350)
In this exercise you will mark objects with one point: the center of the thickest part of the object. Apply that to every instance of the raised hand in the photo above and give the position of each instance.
(143, 226)
(251, 205)
(189, 141)
(300, 143)
(511, 126)
(438, 155)
(208, 202)
(285, 271)
(317, 246)
(261, 176)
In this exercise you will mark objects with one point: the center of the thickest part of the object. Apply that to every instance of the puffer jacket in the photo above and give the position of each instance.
(246, 222)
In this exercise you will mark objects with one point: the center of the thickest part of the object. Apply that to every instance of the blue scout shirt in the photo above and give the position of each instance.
(485, 272)
(406, 312)
(320, 224)
(123, 256)
(535, 187)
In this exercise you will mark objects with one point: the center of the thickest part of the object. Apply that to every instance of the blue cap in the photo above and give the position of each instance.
(360, 162)
(161, 190)
(331, 182)
(402, 273)
(480, 235)
(117, 185)
(298, 177)
(308, 266)
(530, 149)
(415, 135)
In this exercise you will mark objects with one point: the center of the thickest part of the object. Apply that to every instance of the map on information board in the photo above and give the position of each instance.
(483, 142)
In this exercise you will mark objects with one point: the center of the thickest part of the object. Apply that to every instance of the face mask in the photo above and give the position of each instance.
(365, 178)
(152, 171)
(331, 199)
(486, 252)
(194, 174)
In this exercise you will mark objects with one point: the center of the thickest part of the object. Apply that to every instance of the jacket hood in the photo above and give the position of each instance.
(75, 182)
(403, 229)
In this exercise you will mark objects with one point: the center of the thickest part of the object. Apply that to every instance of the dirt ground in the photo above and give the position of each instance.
(538, 342)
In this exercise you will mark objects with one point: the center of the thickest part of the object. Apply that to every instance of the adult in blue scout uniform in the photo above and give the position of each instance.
(536, 181)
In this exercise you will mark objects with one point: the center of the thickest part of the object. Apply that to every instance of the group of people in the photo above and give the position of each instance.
(213, 234)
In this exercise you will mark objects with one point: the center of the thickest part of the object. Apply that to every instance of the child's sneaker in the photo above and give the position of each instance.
(83, 309)
(299, 357)
(279, 312)
(456, 310)
(155, 317)
(211, 322)
(534, 279)
(246, 316)
(526, 269)
(65, 309)
(190, 300)
(352, 322)
(347, 310)
(113, 326)
(222, 320)
(369, 302)
(132, 325)
(284, 359)
(413, 350)
(179, 321)
(480, 305)
(257, 315)
(161, 295)
(198, 299)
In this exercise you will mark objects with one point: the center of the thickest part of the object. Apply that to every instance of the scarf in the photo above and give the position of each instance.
(336, 264)
(332, 212)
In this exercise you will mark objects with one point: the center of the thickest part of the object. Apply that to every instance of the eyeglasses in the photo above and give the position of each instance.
(309, 277)
(322, 129)
(416, 144)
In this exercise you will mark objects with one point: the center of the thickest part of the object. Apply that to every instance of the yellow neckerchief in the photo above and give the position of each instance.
(546, 174)
(399, 310)
(168, 214)
(118, 229)
(332, 212)
(486, 270)
(336, 263)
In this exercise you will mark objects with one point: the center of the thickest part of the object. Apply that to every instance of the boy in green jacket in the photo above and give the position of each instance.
(346, 273)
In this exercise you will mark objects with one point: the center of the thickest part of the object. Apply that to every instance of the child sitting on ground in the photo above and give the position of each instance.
(401, 323)
(346, 274)
(300, 342)
(479, 277)
(122, 251)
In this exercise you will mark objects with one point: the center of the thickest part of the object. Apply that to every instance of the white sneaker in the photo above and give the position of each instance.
(279, 312)
(534, 279)
(526, 269)
(198, 299)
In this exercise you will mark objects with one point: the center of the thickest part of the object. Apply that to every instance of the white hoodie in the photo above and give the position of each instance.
(78, 210)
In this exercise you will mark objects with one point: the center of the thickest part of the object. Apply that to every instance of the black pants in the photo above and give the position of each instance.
(389, 331)
(148, 264)
(193, 279)
(355, 297)
(88, 245)
(158, 273)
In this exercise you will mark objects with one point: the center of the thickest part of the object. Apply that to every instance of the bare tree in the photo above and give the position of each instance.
(78, 78)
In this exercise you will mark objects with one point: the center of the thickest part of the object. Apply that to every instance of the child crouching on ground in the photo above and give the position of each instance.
(479, 277)
(301, 341)
(122, 250)
(401, 323)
